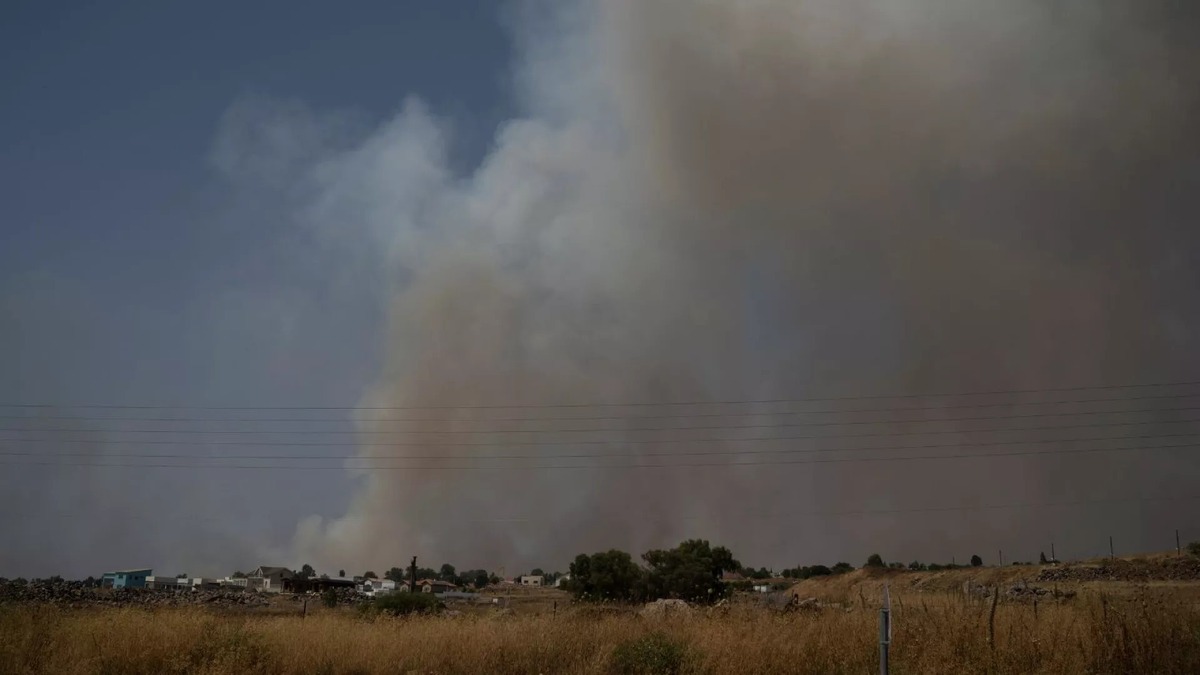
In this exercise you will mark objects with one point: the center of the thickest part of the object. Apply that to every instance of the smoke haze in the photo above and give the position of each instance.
(715, 201)
(694, 201)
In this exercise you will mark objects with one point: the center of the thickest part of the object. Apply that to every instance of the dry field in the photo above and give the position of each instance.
(1140, 629)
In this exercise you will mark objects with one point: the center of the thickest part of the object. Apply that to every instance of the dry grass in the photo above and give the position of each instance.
(1148, 630)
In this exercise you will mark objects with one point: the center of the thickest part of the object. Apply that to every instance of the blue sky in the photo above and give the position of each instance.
(132, 272)
(109, 116)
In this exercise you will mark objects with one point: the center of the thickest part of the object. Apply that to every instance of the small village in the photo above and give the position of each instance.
(279, 579)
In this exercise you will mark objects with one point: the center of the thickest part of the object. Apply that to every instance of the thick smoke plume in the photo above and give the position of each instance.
(778, 199)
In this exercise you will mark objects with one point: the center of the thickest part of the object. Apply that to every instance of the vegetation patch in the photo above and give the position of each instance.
(653, 654)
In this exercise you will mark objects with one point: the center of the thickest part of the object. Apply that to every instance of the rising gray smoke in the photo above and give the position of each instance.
(779, 199)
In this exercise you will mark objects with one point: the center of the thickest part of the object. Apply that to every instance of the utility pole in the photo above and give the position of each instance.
(1053, 555)
(1002, 557)
(1112, 552)
(412, 587)
(1178, 548)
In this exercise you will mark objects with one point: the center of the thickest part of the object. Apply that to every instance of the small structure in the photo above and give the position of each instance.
(205, 583)
(166, 583)
(436, 586)
(531, 580)
(270, 579)
(562, 581)
(126, 578)
(375, 587)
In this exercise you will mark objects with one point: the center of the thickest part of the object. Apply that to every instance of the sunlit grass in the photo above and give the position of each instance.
(1146, 630)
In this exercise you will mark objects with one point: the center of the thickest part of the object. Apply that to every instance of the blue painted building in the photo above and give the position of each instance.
(125, 578)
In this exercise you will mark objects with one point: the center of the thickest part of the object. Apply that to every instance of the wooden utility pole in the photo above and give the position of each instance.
(1112, 552)
(412, 571)
(1178, 548)
(1053, 555)
(1001, 557)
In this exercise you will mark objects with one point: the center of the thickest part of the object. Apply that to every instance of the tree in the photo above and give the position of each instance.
(480, 579)
(976, 561)
(875, 560)
(1042, 559)
(537, 572)
(917, 566)
(610, 575)
(306, 572)
(1194, 548)
(691, 571)
(370, 575)
(342, 574)
(181, 575)
(842, 568)
(239, 575)
(395, 574)
(493, 579)
(447, 573)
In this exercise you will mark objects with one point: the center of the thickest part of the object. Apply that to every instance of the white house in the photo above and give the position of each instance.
(531, 580)
(378, 587)
(167, 583)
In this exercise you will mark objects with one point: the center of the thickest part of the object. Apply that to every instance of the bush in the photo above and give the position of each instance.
(976, 561)
(401, 604)
(1194, 548)
(654, 654)
(874, 561)
(330, 598)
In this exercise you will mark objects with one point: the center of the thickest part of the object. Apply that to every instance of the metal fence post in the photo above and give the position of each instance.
(885, 631)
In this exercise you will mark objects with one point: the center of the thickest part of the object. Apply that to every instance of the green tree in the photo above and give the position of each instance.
(181, 575)
(370, 575)
(610, 575)
(342, 574)
(481, 579)
(493, 579)
(1042, 559)
(1194, 548)
(395, 574)
(691, 571)
(875, 560)
(842, 568)
(306, 572)
(976, 561)
(239, 575)
(447, 573)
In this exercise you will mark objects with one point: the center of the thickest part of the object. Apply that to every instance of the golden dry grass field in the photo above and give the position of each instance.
(1108, 627)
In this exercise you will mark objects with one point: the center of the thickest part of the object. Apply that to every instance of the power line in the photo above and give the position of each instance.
(719, 427)
(568, 467)
(909, 511)
(640, 404)
(758, 516)
(460, 420)
(630, 441)
(682, 453)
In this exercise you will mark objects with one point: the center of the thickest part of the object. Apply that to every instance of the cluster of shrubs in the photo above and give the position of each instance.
(810, 571)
